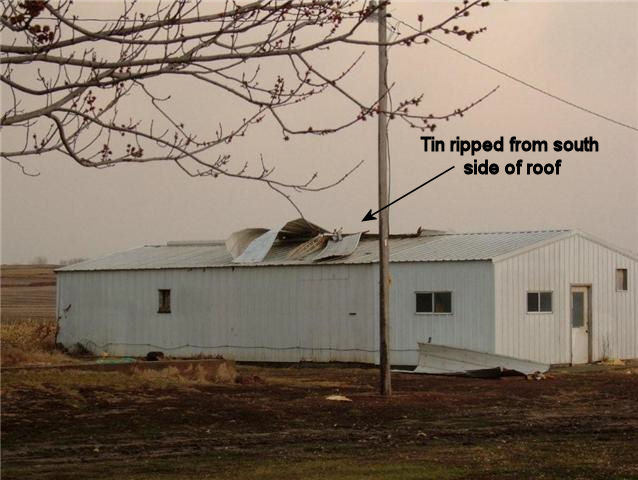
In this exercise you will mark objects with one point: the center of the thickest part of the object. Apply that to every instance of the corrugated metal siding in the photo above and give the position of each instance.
(557, 266)
(471, 324)
(319, 313)
(434, 248)
(282, 314)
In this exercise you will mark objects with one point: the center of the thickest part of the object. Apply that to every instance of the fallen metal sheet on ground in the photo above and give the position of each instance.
(443, 360)
(481, 373)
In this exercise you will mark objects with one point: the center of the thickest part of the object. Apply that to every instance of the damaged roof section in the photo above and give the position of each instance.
(300, 229)
(313, 243)
(257, 249)
(339, 247)
(238, 242)
(424, 246)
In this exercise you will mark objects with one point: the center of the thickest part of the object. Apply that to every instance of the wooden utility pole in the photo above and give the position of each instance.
(385, 386)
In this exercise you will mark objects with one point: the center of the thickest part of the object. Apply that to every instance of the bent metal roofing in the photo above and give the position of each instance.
(447, 247)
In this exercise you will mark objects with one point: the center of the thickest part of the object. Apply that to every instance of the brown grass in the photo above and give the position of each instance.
(68, 384)
(28, 326)
(29, 342)
(173, 376)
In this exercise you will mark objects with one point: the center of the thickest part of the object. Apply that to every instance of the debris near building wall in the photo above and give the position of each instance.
(444, 360)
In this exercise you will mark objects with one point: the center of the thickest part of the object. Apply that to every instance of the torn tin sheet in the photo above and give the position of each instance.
(339, 248)
(444, 360)
(257, 250)
(300, 229)
(237, 243)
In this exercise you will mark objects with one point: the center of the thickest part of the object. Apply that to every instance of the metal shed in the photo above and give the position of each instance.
(555, 296)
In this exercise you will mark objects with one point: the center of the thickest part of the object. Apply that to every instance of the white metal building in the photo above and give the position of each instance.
(551, 296)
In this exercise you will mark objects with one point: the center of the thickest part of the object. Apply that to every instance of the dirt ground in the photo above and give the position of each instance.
(277, 424)
(580, 423)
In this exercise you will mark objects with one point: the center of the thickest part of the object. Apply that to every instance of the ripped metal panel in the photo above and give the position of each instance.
(252, 245)
(443, 360)
(258, 248)
(306, 248)
(340, 248)
(299, 229)
(237, 243)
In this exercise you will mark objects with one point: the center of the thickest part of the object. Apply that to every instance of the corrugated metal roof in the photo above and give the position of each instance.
(430, 248)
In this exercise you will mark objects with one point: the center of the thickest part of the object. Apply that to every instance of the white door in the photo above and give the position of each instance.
(580, 324)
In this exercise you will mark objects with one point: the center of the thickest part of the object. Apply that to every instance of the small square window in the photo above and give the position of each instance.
(164, 301)
(539, 302)
(621, 279)
(433, 302)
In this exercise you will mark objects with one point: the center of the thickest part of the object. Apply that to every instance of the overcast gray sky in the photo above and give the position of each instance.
(584, 52)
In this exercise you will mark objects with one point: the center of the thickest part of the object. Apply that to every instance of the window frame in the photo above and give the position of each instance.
(161, 308)
(626, 279)
(433, 292)
(539, 311)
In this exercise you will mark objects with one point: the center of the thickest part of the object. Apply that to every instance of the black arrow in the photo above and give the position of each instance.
(371, 216)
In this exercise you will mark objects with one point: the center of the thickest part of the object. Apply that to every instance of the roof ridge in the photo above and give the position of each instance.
(394, 236)
(549, 230)
(193, 243)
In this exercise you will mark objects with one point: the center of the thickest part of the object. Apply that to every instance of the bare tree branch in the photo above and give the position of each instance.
(72, 86)
(24, 170)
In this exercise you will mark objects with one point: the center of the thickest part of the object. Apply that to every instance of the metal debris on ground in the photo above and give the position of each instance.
(338, 398)
(444, 360)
